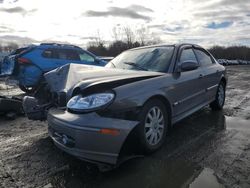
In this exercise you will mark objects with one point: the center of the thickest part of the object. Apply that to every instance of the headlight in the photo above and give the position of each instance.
(91, 102)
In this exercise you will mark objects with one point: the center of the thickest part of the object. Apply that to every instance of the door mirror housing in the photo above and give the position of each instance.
(100, 61)
(97, 60)
(188, 66)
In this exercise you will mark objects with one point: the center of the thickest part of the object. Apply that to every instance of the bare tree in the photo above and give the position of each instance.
(116, 33)
(97, 39)
(129, 36)
(142, 35)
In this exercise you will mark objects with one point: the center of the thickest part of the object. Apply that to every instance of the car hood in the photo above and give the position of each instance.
(70, 76)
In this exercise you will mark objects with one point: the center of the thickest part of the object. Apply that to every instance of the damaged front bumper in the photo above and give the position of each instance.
(84, 135)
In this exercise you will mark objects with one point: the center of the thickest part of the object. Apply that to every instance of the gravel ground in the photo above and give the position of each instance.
(208, 149)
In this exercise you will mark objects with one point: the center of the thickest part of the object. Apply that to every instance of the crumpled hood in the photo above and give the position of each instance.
(67, 77)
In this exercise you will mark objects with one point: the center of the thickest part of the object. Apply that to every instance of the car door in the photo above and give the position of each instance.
(211, 73)
(188, 88)
(57, 57)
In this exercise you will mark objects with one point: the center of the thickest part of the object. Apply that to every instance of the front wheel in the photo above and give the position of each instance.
(153, 125)
(219, 101)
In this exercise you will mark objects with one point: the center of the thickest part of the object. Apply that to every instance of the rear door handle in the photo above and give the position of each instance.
(201, 76)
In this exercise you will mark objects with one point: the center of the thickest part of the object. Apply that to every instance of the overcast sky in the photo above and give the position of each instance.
(209, 22)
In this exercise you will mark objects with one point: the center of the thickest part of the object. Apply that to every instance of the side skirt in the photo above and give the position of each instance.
(189, 112)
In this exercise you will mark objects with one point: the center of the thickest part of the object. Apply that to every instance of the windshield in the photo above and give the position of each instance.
(155, 59)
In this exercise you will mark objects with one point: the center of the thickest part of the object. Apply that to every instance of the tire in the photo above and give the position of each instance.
(219, 101)
(28, 90)
(153, 126)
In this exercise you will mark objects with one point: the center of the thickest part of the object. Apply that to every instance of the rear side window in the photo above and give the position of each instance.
(203, 58)
(65, 54)
(68, 54)
(187, 55)
(49, 53)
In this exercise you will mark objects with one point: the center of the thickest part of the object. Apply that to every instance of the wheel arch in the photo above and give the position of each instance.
(224, 80)
(129, 143)
(166, 102)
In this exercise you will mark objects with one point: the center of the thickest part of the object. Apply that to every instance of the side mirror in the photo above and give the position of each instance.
(97, 60)
(188, 66)
(100, 61)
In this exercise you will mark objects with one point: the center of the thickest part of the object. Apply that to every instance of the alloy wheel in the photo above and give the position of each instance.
(154, 126)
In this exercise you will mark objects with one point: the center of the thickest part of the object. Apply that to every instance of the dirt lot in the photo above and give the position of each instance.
(208, 149)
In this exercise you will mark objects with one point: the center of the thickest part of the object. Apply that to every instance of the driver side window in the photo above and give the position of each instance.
(187, 55)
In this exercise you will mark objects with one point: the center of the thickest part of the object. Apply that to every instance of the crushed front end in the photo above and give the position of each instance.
(92, 135)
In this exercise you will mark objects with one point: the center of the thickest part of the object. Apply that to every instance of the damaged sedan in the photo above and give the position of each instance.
(92, 112)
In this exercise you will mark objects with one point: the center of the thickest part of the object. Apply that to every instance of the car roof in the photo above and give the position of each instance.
(167, 45)
(58, 45)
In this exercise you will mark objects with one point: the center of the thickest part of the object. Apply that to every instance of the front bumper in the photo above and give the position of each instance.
(80, 135)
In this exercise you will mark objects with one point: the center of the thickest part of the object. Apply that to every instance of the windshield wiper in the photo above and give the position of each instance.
(136, 65)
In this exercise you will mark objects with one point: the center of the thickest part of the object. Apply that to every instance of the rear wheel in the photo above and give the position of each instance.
(219, 101)
(153, 125)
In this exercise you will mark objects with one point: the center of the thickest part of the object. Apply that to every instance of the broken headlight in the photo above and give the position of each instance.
(92, 102)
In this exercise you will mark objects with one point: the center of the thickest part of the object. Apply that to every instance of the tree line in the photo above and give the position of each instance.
(124, 38)
(219, 52)
(231, 52)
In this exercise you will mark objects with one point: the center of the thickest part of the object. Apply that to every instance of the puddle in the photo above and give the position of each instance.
(206, 179)
(149, 172)
(237, 123)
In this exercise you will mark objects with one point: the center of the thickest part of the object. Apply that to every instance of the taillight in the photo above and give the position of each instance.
(23, 60)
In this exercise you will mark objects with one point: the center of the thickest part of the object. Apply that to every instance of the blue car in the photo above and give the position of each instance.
(27, 65)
